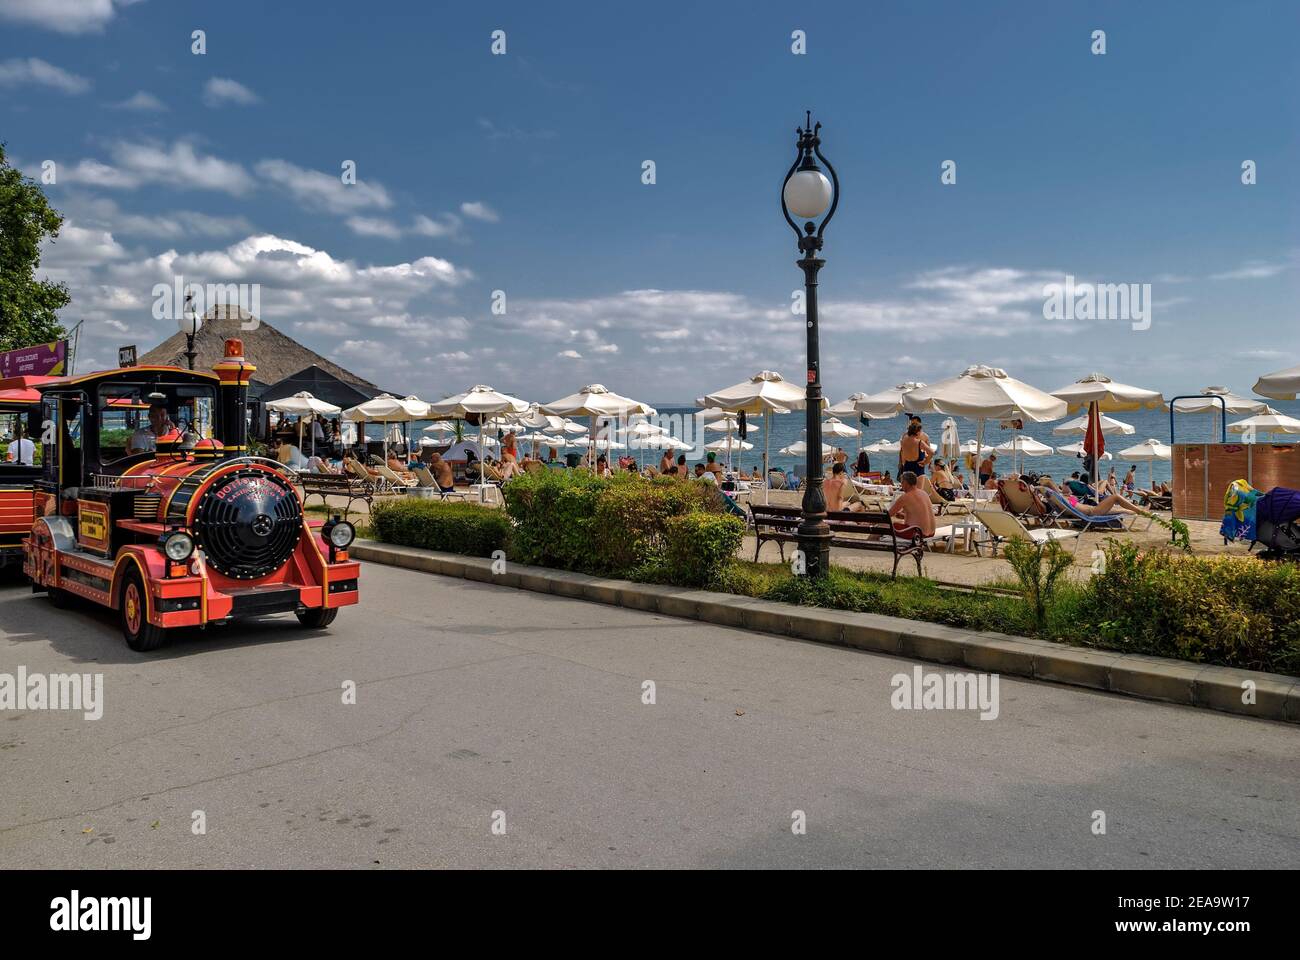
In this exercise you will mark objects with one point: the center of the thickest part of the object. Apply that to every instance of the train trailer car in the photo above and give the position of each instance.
(20, 407)
(149, 503)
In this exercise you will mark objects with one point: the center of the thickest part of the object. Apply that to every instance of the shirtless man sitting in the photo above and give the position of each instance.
(442, 473)
(912, 510)
(839, 489)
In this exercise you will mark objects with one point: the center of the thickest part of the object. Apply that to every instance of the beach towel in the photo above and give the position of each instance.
(1239, 511)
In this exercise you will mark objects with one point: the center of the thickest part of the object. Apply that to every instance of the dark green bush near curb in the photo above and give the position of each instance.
(1235, 611)
(453, 527)
(622, 526)
(1231, 611)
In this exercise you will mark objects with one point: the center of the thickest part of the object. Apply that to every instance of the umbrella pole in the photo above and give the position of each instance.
(767, 437)
(482, 464)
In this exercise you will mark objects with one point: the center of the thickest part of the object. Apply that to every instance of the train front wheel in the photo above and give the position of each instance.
(141, 635)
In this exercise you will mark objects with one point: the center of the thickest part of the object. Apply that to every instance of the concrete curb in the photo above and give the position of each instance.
(1277, 697)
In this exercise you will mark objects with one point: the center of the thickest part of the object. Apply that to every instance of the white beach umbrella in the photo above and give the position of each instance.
(728, 444)
(1208, 402)
(1150, 451)
(596, 400)
(1279, 385)
(797, 449)
(441, 426)
(599, 443)
(949, 440)
(728, 425)
(883, 446)
(482, 402)
(766, 393)
(1109, 395)
(1023, 445)
(1271, 422)
(834, 427)
(387, 409)
(1079, 426)
(983, 393)
(306, 407)
(847, 407)
(886, 403)
(1076, 450)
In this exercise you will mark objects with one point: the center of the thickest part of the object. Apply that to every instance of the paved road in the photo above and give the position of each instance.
(473, 699)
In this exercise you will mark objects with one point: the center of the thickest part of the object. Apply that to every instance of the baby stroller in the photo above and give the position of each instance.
(1276, 514)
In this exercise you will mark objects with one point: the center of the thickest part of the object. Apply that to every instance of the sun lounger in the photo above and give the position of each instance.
(1020, 500)
(391, 479)
(1065, 511)
(1006, 526)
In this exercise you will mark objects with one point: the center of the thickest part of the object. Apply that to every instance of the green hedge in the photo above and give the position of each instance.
(618, 526)
(700, 548)
(1236, 611)
(453, 527)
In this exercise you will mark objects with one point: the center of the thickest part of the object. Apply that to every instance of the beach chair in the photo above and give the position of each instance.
(1003, 526)
(425, 479)
(391, 479)
(1063, 511)
(1019, 499)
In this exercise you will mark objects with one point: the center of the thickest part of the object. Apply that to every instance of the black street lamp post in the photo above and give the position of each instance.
(807, 193)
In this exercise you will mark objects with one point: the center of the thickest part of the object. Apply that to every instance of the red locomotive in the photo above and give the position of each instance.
(149, 503)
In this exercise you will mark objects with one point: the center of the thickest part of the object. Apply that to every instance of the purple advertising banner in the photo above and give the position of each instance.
(42, 360)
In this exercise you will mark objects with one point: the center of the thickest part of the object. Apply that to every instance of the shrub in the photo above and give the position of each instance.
(454, 527)
(553, 513)
(1038, 567)
(617, 526)
(1234, 611)
(701, 546)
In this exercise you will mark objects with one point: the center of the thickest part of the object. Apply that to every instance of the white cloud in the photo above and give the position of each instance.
(478, 210)
(569, 355)
(1254, 270)
(219, 91)
(322, 191)
(79, 246)
(179, 165)
(445, 226)
(62, 16)
(175, 224)
(32, 71)
(374, 227)
(141, 102)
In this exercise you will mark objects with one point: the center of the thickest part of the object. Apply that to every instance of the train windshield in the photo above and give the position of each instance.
(133, 416)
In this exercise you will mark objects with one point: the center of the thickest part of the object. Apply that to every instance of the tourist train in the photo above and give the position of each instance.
(147, 502)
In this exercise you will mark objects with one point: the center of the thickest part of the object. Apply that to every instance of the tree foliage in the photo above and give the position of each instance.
(28, 307)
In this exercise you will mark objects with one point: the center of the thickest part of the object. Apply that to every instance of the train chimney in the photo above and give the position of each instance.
(235, 372)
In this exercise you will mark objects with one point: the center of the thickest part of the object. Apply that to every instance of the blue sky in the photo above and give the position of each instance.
(522, 173)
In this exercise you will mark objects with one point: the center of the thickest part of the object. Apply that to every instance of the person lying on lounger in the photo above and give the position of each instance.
(1107, 505)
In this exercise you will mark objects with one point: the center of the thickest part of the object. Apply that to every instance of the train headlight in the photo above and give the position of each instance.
(177, 545)
(339, 533)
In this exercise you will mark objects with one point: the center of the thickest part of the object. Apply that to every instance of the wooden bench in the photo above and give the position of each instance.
(849, 530)
(324, 485)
